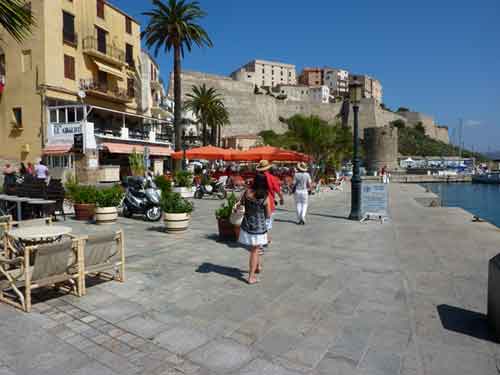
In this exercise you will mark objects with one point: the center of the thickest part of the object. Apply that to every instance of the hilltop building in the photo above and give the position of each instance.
(372, 88)
(337, 80)
(264, 73)
(311, 77)
(79, 73)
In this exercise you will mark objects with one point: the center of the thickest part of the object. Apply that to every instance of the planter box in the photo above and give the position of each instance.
(109, 173)
(175, 223)
(228, 231)
(184, 191)
(106, 215)
(84, 211)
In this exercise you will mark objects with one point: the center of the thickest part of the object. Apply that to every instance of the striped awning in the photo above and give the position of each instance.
(58, 149)
(109, 69)
(126, 148)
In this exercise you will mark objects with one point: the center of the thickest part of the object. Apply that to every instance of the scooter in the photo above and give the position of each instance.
(142, 198)
(217, 189)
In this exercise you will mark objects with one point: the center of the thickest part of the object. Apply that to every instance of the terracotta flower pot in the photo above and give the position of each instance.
(84, 211)
(228, 231)
(176, 222)
(106, 215)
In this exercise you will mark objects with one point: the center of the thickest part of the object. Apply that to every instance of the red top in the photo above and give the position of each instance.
(273, 184)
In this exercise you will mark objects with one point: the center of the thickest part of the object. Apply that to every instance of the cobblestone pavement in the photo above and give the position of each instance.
(336, 297)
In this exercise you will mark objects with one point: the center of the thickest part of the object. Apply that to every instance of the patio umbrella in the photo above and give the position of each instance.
(204, 153)
(269, 153)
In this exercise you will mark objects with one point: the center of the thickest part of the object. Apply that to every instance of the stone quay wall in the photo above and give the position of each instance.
(250, 113)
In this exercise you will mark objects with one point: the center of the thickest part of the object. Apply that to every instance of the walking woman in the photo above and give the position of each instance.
(253, 230)
(301, 186)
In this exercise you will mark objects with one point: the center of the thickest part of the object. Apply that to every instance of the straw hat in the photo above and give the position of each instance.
(264, 165)
(302, 167)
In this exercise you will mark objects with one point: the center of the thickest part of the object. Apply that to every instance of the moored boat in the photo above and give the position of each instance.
(487, 178)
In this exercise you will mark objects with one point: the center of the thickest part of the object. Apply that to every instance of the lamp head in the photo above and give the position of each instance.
(355, 91)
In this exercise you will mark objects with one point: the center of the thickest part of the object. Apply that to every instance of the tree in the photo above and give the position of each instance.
(208, 106)
(173, 25)
(16, 18)
(420, 127)
(398, 123)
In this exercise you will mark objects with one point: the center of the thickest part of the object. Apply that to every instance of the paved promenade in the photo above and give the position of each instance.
(407, 297)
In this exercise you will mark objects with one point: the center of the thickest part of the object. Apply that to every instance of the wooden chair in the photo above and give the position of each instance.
(53, 264)
(11, 246)
(103, 255)
(4, 226)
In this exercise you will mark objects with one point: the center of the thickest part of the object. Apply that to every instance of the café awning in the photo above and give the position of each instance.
(205, 153)
(109, 69)
(126, 148)
(57, 149)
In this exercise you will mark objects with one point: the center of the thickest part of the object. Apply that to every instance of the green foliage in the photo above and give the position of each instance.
(173, 203)
(403, 109)
(136, 161)
(224, 212)
(163, 184)
(412, 142)
(420, 127)
(81, 194)
(109, 197)
(398, 123)
(16, 18)
(183, 179)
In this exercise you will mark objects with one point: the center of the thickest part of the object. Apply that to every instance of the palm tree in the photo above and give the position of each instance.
(16, 19)
(173, 25)
(207, 104)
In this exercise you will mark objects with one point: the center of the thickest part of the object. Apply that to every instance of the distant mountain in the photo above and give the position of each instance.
(494, 155)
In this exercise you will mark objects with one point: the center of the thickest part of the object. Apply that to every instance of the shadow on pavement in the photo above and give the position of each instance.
(222, 270)
(466, 322)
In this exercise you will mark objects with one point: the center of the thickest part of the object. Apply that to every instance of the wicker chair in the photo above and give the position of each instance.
(52, 264)
(103, 255)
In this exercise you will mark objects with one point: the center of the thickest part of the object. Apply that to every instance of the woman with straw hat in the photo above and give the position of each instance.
(301, 187)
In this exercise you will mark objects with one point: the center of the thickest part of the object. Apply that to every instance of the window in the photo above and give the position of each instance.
(26, 63)
(128, 25)
(69, 35)
(130, 88)
(18, 116)
(102, 77)
(100, 8)
(69, 67)
(101, 40)
(129, 54)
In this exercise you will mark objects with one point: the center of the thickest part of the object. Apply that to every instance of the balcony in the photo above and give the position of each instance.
(104, 91)
(70, 38)
(96, 48)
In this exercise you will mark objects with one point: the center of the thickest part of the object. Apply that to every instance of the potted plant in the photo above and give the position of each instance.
(83, 198)
(227, 231)
(177, 212)
(107, 202)
(183, 184)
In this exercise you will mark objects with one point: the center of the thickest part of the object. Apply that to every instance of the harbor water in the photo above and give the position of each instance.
(482, 200)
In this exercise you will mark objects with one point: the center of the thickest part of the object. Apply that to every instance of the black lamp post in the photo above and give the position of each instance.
(355, 93)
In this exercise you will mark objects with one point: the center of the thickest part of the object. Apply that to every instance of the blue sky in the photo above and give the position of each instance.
(439, 57)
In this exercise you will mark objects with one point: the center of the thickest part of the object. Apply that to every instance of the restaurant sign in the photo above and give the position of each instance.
(374, 200)
(65, 130)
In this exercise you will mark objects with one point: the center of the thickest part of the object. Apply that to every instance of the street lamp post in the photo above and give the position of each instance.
(355, 93)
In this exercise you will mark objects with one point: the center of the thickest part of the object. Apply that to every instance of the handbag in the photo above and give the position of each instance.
(237, 214)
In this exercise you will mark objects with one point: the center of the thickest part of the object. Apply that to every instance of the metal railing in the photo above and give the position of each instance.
(116, 92)
(92, 43)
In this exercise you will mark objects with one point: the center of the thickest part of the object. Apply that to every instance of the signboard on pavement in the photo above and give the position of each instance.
(78, 142)
(375, 200)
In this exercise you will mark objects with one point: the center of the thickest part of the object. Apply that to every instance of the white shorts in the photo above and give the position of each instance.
(249, 239)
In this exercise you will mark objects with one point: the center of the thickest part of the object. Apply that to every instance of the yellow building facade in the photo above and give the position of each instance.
(84, 52)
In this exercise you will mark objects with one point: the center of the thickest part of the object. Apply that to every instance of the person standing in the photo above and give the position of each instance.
(274, 188)
(253, 230)
(301, 186)
(41, 171)
(29, 169)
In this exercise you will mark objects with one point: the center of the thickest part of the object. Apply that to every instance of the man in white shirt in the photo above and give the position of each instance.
(41, 171)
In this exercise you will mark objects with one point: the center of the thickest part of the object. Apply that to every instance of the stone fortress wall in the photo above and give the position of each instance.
(250, 113)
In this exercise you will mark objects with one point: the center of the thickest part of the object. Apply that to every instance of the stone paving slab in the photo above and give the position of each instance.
(336, 297)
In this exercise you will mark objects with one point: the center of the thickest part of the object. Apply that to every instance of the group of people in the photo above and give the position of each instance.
(260, 205)
(39, 171)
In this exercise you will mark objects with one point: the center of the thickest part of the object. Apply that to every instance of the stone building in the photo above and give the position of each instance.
(381, 146)
(293, 92)
(337, 80)
(319, 94)
(372, 88)
(311, 77)
(78, 73)
(262, 73)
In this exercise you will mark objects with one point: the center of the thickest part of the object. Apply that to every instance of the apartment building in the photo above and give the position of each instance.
(264, 73)
(372, 88)
(153, 94)
(337, 80)
(311, 76)
(319, 94)
(79, 73)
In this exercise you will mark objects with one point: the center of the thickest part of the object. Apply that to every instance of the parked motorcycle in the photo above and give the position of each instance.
(217, 189)
(142, 198)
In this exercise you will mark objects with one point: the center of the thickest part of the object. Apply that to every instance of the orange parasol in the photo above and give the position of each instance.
(271, 154)
(205, 153)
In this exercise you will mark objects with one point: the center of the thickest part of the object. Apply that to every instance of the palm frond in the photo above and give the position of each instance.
(16, 18)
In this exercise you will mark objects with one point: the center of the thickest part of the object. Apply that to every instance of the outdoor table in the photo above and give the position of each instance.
(19, 201)
(40, 205)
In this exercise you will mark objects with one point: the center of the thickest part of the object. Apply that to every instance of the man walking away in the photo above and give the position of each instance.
(301, 186)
